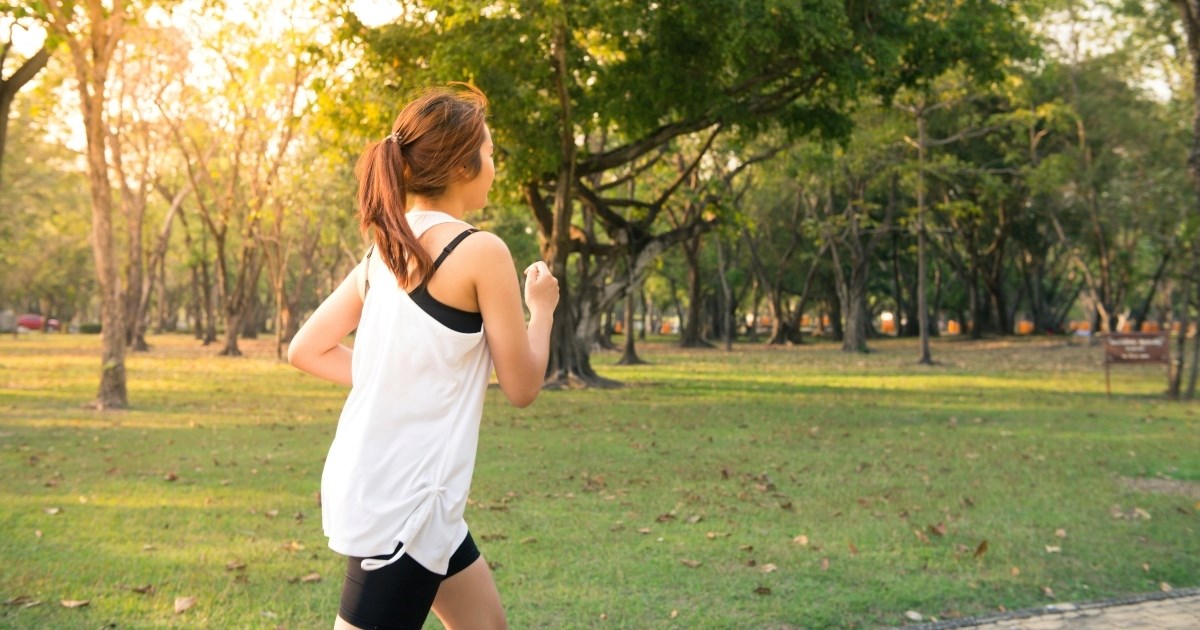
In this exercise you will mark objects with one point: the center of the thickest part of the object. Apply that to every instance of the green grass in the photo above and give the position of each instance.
(589, 502)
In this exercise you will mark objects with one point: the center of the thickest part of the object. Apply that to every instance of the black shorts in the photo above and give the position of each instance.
(399, 595)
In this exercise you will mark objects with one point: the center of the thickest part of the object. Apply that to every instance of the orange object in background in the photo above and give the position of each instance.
(1024, 327)
(887, 326)
(617, 327)
(952, 327)
(1151, 327)
(665, 329)
(1127, 327)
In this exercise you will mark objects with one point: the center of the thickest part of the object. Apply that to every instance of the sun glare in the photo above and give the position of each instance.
(374, 13)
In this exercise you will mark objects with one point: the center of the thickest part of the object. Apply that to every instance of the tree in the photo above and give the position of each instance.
(91, 32)
(234, 154)
(595, 89)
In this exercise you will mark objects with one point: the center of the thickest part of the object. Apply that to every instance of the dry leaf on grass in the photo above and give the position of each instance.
(1053, 549)
(235, 565)
(981, 549)
(768, 568)
(801, 540)
(1164, 587)
(913, 615)
(146, 589)
(311, 577)
(52, 511)
(691, 564)
(1016, 571)
(184, 603)
(75, 603)
(763, 590)
(1048, 592)
(1060, 532)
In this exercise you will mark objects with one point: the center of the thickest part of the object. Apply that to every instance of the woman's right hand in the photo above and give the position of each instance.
(541, 289)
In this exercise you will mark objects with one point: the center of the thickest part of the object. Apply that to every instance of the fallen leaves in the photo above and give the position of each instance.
(1053, 549)
(768, 568)
(182, 604)
(53, 511)
(309, 578)
(763, 590)
(801, 540)
(691, 564)
(981, 549)
(24, 601)
(1135, 514)
(75, 603)
(913, 615)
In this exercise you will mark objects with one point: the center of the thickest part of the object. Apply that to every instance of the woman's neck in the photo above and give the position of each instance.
(437, 205)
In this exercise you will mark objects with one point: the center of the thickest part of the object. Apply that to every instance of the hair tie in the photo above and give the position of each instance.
(396, 137)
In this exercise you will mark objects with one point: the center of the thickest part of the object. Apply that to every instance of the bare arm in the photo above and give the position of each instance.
(519, 351)
(317, 347)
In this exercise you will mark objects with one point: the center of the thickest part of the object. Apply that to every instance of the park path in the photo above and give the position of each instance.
(1177, 610)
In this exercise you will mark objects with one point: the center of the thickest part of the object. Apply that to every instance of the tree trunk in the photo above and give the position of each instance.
(691, 336)
(629, 354)
(1144, 311)
(92, 46)
(922, 273)
(854, 307)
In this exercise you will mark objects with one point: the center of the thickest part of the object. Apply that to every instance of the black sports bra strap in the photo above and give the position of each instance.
(449, 248)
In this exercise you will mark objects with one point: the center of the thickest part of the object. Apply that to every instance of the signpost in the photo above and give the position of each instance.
(1135, 348)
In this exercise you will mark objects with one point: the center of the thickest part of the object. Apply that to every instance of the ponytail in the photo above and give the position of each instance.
(435, 140)
(382, 202)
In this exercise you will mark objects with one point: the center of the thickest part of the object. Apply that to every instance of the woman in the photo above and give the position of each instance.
(436, 303)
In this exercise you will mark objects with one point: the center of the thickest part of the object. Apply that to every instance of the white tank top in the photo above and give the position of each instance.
(400, 465)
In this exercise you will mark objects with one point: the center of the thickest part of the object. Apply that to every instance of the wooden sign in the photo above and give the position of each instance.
(1134, 348)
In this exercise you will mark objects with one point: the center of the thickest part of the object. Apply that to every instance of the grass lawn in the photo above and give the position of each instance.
(764, 488)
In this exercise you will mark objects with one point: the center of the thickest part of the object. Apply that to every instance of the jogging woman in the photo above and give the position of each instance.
(436, 304)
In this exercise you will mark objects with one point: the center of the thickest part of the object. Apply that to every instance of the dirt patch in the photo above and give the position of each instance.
(1162, 486)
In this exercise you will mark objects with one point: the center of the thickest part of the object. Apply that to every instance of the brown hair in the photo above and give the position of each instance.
(437, 133)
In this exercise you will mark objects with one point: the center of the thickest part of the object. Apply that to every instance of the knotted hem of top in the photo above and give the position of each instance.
(415, 523)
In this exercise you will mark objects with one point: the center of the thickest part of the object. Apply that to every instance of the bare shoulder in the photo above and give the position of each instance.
(488, 248)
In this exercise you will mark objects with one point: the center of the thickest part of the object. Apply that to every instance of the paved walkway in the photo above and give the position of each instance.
(1177, 610)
